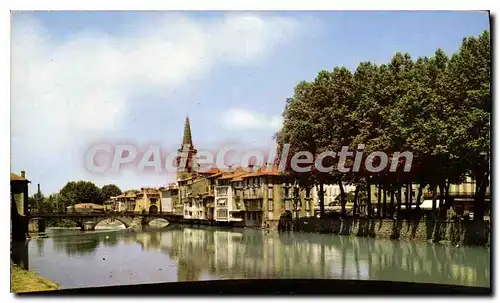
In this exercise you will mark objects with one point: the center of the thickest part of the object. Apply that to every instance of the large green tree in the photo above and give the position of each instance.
(81, 192)
(437, 107)
(110, 190)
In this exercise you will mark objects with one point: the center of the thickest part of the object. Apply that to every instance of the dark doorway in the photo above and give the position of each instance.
(153, 209)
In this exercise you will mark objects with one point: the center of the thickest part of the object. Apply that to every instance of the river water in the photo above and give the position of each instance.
(100, 258)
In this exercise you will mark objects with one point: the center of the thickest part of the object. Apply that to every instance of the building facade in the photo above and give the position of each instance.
(126, 201)
(253, 198)
(169, 197)
(148, 200)
(19, 189)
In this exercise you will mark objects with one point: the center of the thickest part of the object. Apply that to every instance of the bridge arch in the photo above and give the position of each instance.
(43, 223)
(123, 221)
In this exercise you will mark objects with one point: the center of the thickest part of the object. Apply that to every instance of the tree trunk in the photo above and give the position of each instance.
(391, 205)
(442, 207)
(379, 201)
(384, 206)
(342, 197)
(355, 205)
(482, 182)
(321, 200)
(369, 200)
(419, 195)
(408, 197)
(447, 201)
(434, 198)
(296, 199)
(399, 202)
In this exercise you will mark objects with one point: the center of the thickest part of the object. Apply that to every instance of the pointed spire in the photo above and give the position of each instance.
(186, 139)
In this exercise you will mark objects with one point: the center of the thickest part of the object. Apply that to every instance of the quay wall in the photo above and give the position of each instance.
(452, 231)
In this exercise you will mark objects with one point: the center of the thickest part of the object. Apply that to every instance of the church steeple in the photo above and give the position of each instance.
(186, 139)
(186, 153)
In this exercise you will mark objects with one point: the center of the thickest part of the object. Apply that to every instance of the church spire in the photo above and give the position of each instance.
(186, 139)
(186, 153)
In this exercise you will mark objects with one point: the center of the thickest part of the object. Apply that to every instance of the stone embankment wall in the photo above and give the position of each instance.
(458, 231)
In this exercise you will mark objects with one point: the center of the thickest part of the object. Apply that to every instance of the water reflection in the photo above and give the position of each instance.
(192, 254)
(251, 254)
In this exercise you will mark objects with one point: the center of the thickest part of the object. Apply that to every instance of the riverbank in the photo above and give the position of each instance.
(451, 231)
(27, 281)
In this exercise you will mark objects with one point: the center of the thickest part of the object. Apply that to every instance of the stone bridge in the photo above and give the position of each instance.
(88, 221)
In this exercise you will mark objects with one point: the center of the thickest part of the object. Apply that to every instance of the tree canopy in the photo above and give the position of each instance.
(110, 190)
(438, 108)
(81, 192)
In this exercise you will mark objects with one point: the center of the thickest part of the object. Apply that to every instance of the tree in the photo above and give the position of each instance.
(110, 190)
(80, 192)
(438, 108)
(470, 92)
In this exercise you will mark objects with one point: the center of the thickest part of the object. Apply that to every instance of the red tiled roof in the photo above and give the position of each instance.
(263, 171)
(15, 177)
(88, 205)
(236, 173)
(212, 171)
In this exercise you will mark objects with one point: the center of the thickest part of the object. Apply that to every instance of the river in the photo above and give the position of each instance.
(74, 259)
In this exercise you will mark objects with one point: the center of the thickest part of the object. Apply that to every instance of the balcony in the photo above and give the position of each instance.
(253, 206)
(222, 190)
(253, 193)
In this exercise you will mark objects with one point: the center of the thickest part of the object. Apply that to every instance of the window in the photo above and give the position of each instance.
(221, 202)
(286, 192)
(270, 204)
(270, 193)
(254, 216)
(222, 191)
(308, 192)
(222, 213)
(153, 200)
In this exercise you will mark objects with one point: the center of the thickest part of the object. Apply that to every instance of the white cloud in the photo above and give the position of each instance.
(72, 90)
(243, 119)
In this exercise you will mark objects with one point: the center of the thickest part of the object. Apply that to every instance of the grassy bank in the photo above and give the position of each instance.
(27, 281)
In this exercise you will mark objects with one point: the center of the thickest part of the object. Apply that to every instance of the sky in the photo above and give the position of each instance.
(83, 78)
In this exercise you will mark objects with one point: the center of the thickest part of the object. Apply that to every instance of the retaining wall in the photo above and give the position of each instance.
(457, 231)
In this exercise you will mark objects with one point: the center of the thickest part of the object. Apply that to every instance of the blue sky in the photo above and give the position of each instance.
(84, 77)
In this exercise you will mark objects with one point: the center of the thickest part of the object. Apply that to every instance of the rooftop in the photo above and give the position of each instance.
(88, 205)
(16, 177)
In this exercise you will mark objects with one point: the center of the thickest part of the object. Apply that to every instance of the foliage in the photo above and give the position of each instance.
(81, 192)
(438, 108)
(110, 190)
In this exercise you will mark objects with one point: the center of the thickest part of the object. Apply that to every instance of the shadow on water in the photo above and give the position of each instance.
(201, 253)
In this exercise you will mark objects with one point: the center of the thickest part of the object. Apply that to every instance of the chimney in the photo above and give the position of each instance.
(23, 174)
(38, 187)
